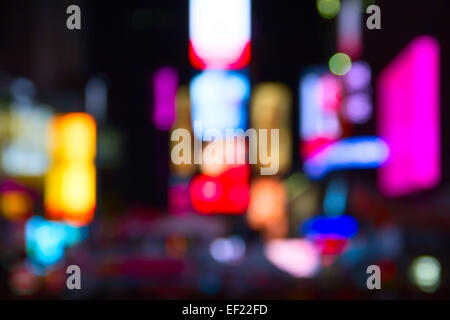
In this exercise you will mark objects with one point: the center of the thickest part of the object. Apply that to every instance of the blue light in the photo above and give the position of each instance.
(219, 101)
(46, 240)
(349, 153)
(345, 226)
(335, 201)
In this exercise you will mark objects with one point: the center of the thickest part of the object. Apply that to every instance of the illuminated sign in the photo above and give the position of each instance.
(70, 183)
(219, 33)
(409, 119)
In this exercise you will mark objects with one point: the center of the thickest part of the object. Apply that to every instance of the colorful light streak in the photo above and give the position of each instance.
(349, 153)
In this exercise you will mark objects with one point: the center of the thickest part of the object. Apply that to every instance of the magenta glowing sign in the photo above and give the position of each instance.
(408, 119)
(165, 85)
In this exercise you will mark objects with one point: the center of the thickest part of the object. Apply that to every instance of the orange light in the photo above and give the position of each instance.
(73, 138)
(267, 208)
(15, 204)
(70, 187)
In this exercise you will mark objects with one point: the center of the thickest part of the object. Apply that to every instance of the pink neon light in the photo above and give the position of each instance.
(408, 119)
(165, 84)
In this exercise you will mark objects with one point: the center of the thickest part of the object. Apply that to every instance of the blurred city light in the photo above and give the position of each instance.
(150, 134)
(218, 100)
(219, 33)
(96, 98)
(328, 8)
(15, 204)
(318, 125)
(271, 108)
(340, 64)
(344, 226)
(267, 211)
(358, 108)
(26, 152)
(46, 241)
(165, 86)
(426, 273)
(349, 25)
(70, 184)
(297, 257)
(22, 281)
(335, 201)
(359, 76)
(349, 153)
(227, 250)
(409, 119)
(227, 193)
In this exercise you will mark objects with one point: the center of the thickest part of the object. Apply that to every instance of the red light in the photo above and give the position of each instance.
(227, 193)
(330, 245)
(239, 63)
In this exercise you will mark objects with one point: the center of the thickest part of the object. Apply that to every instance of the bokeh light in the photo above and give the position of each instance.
(426, 273)
(328, 8)
(340, 64)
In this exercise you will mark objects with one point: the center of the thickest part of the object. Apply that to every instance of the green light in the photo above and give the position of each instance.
(340, 64)
(328, 9)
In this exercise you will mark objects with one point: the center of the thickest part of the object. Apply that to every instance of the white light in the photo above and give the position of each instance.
(219, 30)
(227, 250)
(315, 120)
(426, 273)
(218, 101)
(26, 153)
(297, 257)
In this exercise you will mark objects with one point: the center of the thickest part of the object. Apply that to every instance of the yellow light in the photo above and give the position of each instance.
(74, 137)
(271, 108)
(70, 193)
(70, 184)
